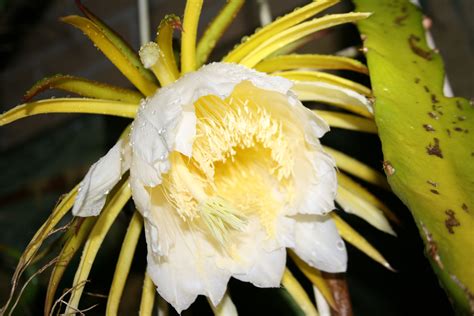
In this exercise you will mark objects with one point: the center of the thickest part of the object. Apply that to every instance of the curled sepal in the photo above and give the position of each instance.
(127, 66)
(354, 238)
(117, 40)
(192, 13)
(83, 87)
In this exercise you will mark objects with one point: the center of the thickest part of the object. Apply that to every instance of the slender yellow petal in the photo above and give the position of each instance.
(357, 168)
(94, 241)
(118, 41)
(276, 27)
(353, 204)
(113, 53)
(225, 308)
(314, 275)
(354, 238)
(348, 121)
(297, 32)
(344, 98)
(312, 61)
(347, 182)
(310, 75)
(188, 39)
(215, 30)
(164, 39)
(148, 297)
(124, 263)
(69, 105)
(78, 231)
(296, 291)
(85, 88)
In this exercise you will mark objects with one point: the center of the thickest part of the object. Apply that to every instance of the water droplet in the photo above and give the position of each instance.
(340, 245)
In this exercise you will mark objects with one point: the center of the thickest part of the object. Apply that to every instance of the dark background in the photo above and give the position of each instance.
(44, 156)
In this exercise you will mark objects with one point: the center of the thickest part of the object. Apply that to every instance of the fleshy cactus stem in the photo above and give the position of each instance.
(426, 141)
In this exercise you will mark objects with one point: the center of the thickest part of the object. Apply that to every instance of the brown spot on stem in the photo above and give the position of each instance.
(399, 19)
(413, 41)
(417, 80)
(388, 168)
(458, 105)
(458, 129)
(451, 221)
(449, 132)
(432, 183)
(432, 247)
(434, 191)
(434, 149)
(433, 115)
(434, 99)
(461, 118)
(465, 207)
(428, 128)
(427, 90)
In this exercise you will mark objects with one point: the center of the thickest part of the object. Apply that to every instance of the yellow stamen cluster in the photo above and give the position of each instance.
(241, 164)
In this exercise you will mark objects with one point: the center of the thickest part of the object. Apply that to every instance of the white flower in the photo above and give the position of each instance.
(227, 170)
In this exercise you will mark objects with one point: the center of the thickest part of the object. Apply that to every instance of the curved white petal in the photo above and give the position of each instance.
(316, 183)
(267, 269)
(189, 269)
(101, 178)
(319, 244)
(166, 121)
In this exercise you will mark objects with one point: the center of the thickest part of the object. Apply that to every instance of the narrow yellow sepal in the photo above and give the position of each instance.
(318, 76)
(113, 53)
(357, 168)
(294, 33)
(314, 275)
(192, 13)
(348, 121)
(69, 105)
(110, 212)
(297, 292)
(311, 61)
(124, 263)
(84, 87)
(215, 30)
(148, 297)
(354, 238)
(279, 25)
(78, 232)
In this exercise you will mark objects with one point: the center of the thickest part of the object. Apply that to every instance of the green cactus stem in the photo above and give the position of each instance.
(427, 140)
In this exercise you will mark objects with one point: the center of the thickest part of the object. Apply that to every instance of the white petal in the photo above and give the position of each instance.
(318, 243)
(166, 121)
(188, 270)
(314, 126)
(101, 178)
(316, 183)
(267, 269)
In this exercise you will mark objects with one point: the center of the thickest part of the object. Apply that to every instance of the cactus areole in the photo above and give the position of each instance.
(427, 140)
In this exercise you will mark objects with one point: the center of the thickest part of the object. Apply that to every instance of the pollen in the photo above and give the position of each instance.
(241, 165)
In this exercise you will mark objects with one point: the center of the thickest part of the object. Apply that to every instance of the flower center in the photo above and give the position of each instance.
(241, 164)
